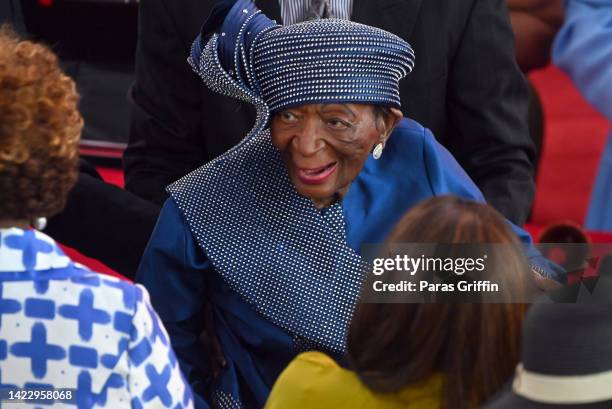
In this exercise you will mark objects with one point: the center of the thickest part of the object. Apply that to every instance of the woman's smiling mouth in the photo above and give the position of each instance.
(315, 176)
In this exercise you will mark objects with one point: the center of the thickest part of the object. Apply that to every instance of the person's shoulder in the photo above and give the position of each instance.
(407, 148)
(120, 291)
(311, 365)
(314, 379)
(324, 373)
(111, 294)
(409, 131)
(407, 125)
(315, 359)
(117, 282)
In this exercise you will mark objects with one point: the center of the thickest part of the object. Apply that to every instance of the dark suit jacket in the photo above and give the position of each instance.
(105, 222)
(466, 87)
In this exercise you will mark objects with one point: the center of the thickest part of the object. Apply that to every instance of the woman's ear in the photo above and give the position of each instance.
(388, 122)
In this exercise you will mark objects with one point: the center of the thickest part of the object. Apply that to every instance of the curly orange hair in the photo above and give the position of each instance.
(40, 127)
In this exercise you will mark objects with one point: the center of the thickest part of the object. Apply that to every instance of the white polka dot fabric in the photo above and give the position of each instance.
(270, 244)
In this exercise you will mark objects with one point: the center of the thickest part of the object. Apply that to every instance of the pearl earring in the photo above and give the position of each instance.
(40, 223)
(378, 150)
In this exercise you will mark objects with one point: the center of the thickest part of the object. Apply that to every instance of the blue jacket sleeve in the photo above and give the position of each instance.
(446, 177)
(174, 271)
(583, 49)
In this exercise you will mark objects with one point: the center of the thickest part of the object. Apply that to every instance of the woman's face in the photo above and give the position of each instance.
(324, 146)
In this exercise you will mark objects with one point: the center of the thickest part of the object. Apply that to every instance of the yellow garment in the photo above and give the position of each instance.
(314, 380)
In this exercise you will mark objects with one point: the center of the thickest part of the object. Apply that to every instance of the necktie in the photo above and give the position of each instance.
(319, 9)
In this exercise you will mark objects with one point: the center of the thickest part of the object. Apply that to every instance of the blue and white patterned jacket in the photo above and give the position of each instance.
(63, 326)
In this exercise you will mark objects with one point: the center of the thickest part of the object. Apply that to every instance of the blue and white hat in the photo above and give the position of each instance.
(318, 61)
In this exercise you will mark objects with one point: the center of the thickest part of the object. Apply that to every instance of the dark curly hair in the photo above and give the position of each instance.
(40, 127)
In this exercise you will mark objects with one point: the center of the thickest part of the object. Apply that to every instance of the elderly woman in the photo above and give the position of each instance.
(269, 235)
(88, 340)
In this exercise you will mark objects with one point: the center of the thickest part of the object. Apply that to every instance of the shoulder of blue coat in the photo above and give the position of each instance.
(409, 126)
(409, 138)
(411, 130)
